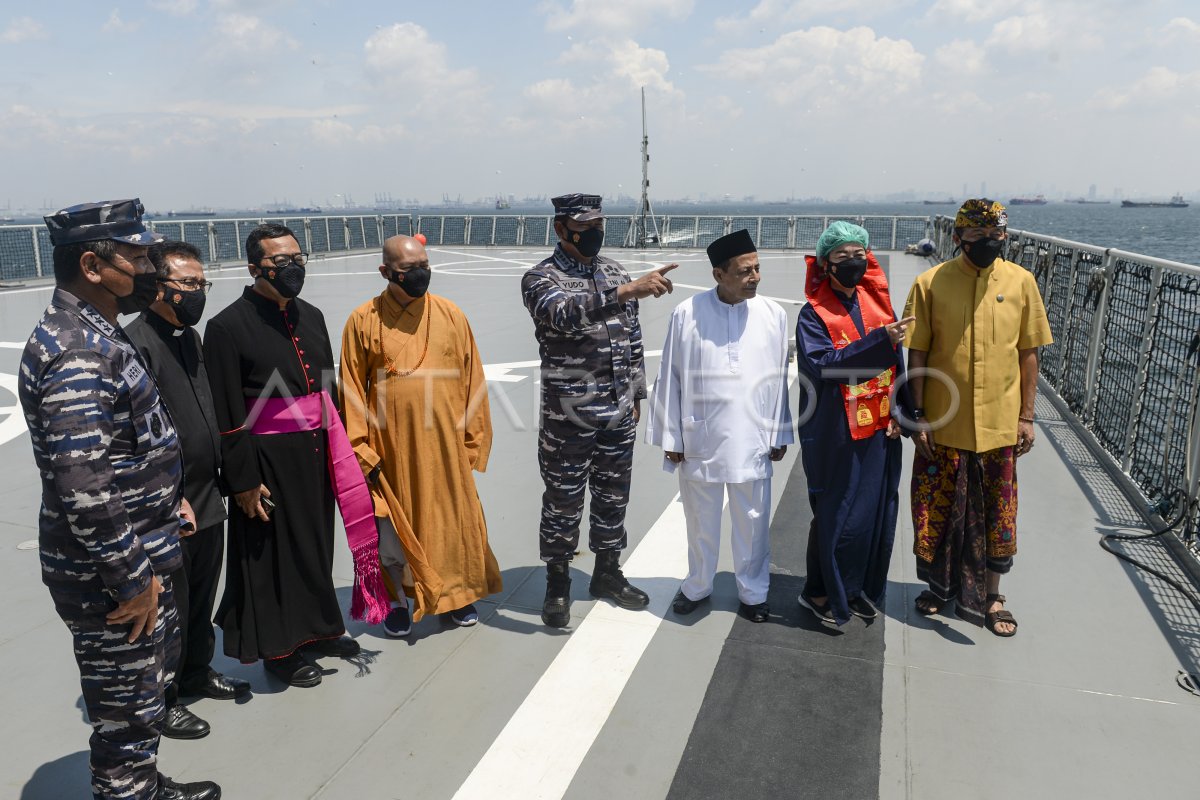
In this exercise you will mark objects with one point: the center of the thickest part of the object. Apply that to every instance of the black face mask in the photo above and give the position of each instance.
(288, 281)
(188, 306)
(588, 241)
(415, 282)
(983, 252)
(145, 292)
(849, 272)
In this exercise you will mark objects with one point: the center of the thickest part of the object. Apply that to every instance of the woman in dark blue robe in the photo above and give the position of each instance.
(852, 482)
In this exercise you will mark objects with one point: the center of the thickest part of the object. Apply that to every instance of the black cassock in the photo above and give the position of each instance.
(278, 585)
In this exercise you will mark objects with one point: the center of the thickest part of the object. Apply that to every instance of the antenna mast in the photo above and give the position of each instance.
(645, 216)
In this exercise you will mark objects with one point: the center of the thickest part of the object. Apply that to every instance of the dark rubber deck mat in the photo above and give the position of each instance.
(794, 707)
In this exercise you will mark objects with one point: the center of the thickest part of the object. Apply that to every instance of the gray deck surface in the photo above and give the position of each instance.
(1081, 703)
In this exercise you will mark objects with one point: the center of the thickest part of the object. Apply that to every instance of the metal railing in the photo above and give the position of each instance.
(1125, 359)
(26, 252)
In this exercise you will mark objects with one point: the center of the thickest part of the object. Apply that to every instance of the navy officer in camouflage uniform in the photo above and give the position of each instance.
(585, 314)
(112, 502)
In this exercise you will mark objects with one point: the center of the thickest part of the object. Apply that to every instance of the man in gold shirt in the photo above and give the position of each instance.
(416, 407)
(972, 379)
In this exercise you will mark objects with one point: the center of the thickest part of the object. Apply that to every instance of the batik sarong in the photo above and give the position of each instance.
(964, 508)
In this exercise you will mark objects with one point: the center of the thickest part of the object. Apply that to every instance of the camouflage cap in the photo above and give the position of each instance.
(981, 213)
(120, 220)
(579, 207)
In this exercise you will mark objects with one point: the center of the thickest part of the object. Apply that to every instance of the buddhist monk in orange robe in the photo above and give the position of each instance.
(415, 403)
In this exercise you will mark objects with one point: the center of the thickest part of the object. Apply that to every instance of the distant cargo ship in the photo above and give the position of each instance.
(1083, 201)
(1040, 200)
(949, 201)
(1175, 202)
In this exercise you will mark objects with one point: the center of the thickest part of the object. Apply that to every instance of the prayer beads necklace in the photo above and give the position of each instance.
(388, 363)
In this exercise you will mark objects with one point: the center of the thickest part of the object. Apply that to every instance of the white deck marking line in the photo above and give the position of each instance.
(12, 418)
(576, 694)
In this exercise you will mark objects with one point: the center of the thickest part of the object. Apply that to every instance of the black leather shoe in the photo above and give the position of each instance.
(294, 670)
(341, 647)
(556, 608)
(683, 605)
(754, 613)
(180, 723)
(216, 686)
(199, 790)
(608, 582)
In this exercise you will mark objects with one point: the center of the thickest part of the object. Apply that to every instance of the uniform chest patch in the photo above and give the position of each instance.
(133, 373)
(574, 285)
(156, 426)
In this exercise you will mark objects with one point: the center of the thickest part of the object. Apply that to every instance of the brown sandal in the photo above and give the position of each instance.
(1003, 615)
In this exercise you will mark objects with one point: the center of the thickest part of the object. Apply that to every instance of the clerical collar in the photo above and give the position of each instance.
(161, 323)
(264, 302)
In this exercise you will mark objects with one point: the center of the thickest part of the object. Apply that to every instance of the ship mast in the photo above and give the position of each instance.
(645, 216)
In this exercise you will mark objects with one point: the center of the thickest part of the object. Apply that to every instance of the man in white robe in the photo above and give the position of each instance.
(720, 412)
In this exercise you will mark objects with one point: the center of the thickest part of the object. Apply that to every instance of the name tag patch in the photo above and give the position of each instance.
(574, 285)
(133, 373)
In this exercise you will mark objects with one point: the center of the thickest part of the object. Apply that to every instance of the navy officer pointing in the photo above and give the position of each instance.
(585, 313)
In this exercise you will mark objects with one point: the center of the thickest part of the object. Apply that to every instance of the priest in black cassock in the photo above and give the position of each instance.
(270, 346)
(167, 341)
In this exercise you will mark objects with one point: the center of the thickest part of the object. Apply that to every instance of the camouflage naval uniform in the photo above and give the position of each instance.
(592, 371)
(111, 474)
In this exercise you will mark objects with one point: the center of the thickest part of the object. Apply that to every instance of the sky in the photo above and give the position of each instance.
(246, 103)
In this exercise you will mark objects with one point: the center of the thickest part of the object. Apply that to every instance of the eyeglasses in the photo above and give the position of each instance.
(190, 284)
(283, 259)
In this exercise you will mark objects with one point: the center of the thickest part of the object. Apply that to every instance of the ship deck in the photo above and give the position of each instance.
(1083, 702)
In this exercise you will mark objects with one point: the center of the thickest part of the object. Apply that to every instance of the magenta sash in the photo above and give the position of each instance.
(316, 411)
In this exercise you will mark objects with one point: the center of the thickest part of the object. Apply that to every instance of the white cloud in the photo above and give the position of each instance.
(1028, 33)
(117, 25)
(769, 13)
(1159, 86)
(259, 112)
(404, 60)
(617, 69)
(614, 16)
(1183, 28)
(23, 29)
(967, 10)
(824, 64)
(247, 35)
(962, 56)
(177, 7)
(337, 132)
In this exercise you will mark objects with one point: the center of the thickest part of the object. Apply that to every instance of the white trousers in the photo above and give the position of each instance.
(750, 518)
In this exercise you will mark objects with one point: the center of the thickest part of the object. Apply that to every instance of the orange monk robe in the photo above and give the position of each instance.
(416, 402)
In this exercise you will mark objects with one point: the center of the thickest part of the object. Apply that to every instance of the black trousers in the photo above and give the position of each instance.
(195, 595)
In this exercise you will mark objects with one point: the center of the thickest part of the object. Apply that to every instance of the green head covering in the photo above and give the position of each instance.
(840, 233)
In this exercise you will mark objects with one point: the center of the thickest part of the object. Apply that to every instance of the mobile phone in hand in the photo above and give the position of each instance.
(267, 503)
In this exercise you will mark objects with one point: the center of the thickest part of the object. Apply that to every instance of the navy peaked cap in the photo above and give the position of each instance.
(120, 220)
(579, 207)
